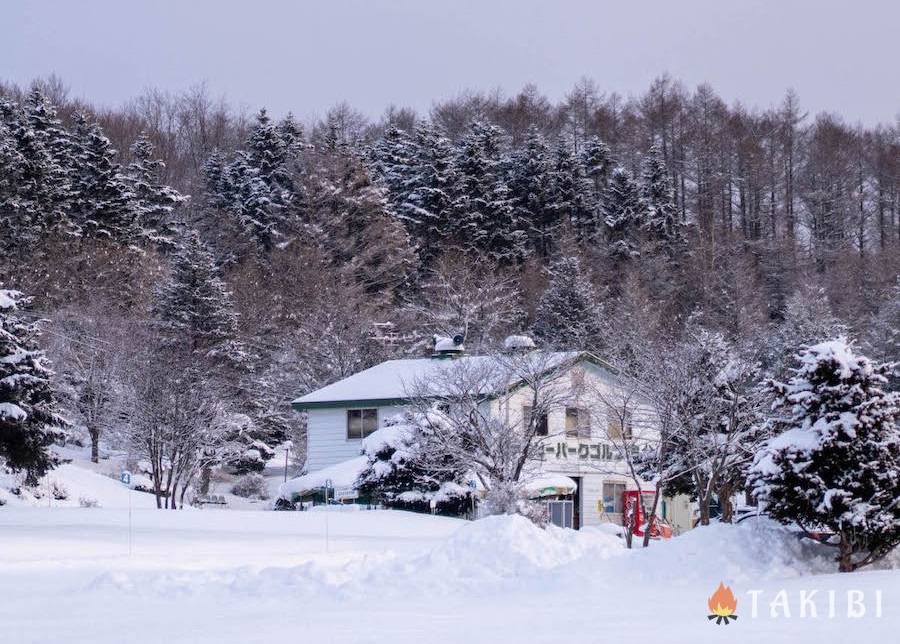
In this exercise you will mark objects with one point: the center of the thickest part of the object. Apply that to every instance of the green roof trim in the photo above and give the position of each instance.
(350, 404)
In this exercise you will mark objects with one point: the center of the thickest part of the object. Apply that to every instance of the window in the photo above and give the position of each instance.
(613, 497)
(578, 423)
(614, 426)
(361, 423)
(540, 423)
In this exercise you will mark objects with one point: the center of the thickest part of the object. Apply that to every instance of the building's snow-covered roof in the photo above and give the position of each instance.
(393, 380)
(341, 475)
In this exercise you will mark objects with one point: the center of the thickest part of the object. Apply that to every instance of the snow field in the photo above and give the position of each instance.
(223, 576)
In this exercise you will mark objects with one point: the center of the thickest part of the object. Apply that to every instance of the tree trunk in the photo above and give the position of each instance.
(846, 556)
(651, 515)
(724, 493)
(205, 478)
(628, 525)
(157, 490)
(95, 444)
(703, 500)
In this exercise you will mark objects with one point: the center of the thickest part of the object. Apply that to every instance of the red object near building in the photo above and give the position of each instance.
(633, 515)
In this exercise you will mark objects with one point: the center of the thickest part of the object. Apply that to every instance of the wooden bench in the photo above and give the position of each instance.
(212, 499)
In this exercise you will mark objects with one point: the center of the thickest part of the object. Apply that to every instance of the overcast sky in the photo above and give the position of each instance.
(305, 56)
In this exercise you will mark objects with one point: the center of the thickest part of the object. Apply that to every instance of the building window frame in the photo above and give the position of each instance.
(616, 430)
(578, 422)
(361, 422)
(613, 494)
(542, 424)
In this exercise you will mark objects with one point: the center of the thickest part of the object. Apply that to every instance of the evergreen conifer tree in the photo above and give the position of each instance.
(220, 192)
(430, 201)
(28, 420)
(484, 218)
(624, 215)
(661, 223)
(597, 164)
(194, 307)
(253, 204)
(34, 175)
(834, 460)
(52, 139)
(152, 201)
(269, 149)
(531, 188)
(391, 161)
(568, 313)
(102, 199)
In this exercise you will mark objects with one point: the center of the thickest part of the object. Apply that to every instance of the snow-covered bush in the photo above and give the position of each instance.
(251, 486)
(399, 475)
(834, 460)
(87, 502)
(252, 453)
(58, 491)
(141, 483)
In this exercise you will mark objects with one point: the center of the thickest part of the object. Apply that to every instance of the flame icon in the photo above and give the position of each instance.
(722, 604)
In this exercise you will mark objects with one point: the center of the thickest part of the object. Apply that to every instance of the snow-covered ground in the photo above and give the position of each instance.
(66, 576)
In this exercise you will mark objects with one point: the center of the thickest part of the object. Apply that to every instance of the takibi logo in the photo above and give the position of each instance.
(722, 605)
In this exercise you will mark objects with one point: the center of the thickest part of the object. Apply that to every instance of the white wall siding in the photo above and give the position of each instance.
(327, 442)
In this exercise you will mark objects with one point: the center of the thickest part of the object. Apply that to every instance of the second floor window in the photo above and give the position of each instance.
(578, 423)
(541, 426)
(616, 429)
(361, 423)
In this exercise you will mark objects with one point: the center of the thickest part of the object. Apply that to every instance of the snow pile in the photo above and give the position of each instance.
(493, 551)
(757, 549)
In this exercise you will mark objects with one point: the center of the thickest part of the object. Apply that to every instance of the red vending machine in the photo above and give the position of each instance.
(633, 515)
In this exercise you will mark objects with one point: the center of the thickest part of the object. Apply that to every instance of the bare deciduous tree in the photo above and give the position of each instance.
(468, 421)
(174, 423)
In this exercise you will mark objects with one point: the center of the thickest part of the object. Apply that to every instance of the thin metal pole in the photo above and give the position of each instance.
(326, 519)
(130, 537)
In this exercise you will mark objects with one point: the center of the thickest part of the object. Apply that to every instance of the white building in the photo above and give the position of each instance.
(578, 438)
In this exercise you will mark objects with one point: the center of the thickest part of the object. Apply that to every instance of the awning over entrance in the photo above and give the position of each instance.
(550, 485)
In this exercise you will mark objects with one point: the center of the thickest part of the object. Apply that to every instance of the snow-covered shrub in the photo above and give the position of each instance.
(282, 504)
(141, 483)
(251, 486)
(399, 475)
(834, 460)
(87, 502)
(58, 491)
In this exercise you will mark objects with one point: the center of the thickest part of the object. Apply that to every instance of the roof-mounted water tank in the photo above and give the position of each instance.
(447, 347)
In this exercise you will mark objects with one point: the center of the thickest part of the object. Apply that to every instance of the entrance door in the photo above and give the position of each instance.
(560, 513)
(576, 502)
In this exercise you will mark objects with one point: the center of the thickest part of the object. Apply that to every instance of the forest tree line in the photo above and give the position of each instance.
(249, 258)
